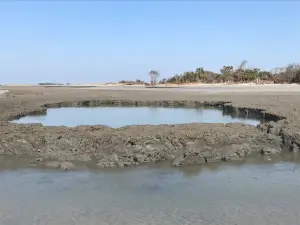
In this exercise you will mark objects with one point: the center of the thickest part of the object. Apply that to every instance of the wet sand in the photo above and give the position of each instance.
(2, 92)
(181, 144)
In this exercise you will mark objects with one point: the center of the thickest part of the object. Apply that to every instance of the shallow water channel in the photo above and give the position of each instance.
(217, 193)
(122, 116)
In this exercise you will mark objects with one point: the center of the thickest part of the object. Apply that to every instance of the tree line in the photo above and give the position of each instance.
(241, 74)
(131, 82)
(228, 74)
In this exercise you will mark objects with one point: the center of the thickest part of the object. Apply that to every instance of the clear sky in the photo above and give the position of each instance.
(98, 41)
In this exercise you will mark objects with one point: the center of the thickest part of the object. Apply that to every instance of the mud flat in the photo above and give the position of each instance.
(2, 92)
(61, 147)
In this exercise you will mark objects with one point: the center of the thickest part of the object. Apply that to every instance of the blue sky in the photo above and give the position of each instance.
(98, 41)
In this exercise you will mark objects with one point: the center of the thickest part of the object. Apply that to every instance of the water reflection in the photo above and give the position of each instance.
(199, 111)
(122, 116)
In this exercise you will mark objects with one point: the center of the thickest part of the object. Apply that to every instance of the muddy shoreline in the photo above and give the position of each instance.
(58, 147)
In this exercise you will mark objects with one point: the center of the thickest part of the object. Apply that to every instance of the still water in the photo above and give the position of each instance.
(216, 194)
(122, 116)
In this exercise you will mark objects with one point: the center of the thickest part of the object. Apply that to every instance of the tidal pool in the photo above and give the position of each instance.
(214, 194)
(122, 116)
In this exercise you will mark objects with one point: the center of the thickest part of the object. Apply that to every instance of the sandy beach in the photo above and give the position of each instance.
(201, 88)
(207, 88)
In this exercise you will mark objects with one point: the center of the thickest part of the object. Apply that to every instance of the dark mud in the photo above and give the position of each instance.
(58, 147)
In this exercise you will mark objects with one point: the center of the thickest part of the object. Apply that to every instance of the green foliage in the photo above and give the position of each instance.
(288, 74)
(129, 82)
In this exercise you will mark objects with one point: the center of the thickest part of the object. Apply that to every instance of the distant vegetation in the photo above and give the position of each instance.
(128, 82)
(241, 74)
(49, 83)
(154, 74)
(228, 74)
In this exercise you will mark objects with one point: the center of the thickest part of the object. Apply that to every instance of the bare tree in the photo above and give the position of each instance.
(238, 73)
(154, 74)
(242, 65)
(290, 72)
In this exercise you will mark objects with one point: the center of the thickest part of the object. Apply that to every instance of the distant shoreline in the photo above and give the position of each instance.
(197, 88)
(158, 85)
